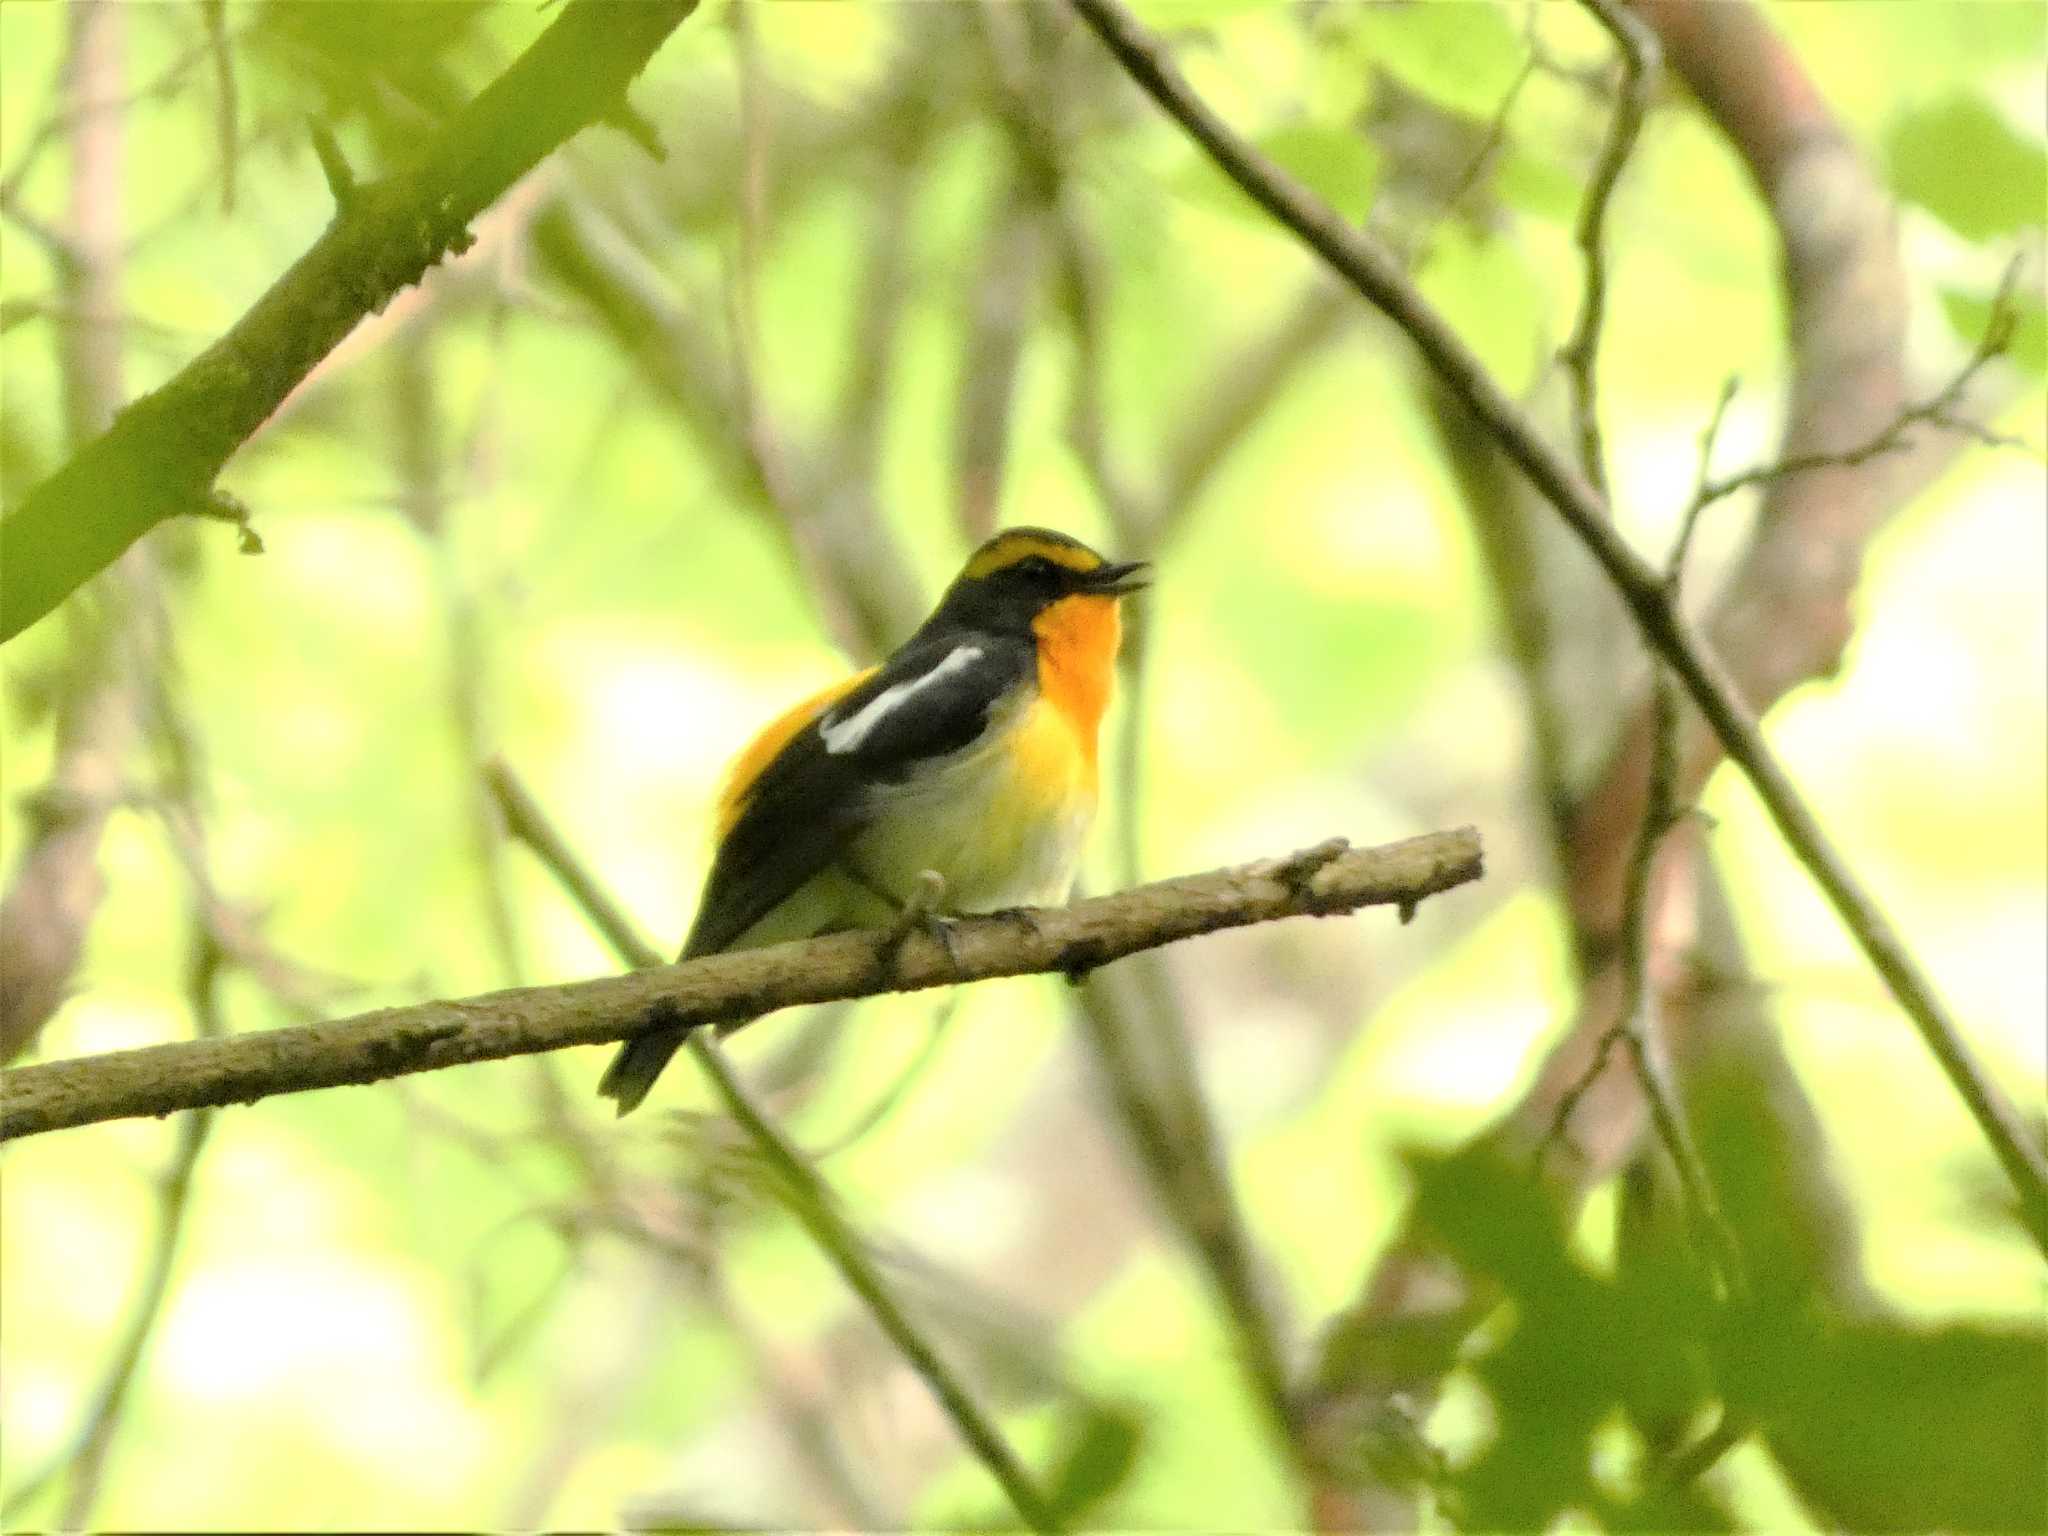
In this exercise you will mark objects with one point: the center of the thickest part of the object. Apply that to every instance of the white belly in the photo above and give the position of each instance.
(1004, 824)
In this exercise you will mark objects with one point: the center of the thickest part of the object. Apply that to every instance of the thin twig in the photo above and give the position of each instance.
(525, 821)
(168, 82)
(1631, 1026)
(227, 135)
(82, 1462)
(1490, 143)
(1688, 524)
(1362, 262)
(1159, 1101)
(804, 1191)
(1157, 1093)
(885, 1104)
(1941, 410)
(1658, 819)
(812, 1205)
(1536, 618)
(1581, 353)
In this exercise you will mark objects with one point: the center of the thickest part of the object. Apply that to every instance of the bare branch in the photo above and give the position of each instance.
(1554, 629)
(1360, 260)
(1689, 524)
(1943, 410)
(525, 821)
(1632, 1029)
(1581, 353)
(1159, 1102)
(811, 1203)
(166, 84)
(1133, 1022)
(83, 1460)
(724, 990)
(1632, 1022)
(227, 134)
(1692, 1462)
(803, 1189)
(1784, 618)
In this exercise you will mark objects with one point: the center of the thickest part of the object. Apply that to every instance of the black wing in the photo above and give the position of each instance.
(931, 698)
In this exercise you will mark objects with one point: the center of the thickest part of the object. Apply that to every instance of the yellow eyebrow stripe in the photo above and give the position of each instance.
(1007, 551)
(753, 760)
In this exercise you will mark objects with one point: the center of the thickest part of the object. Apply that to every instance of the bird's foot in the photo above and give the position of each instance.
(920, 911)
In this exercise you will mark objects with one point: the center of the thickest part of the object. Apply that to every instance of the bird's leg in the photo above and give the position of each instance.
(921, 910)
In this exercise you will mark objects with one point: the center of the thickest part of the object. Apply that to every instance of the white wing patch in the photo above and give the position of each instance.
(842, 736)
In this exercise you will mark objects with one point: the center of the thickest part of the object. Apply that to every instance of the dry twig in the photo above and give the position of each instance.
(82, 1461)
(1637, 46)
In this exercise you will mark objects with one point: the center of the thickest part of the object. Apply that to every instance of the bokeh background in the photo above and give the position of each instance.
(680, 439)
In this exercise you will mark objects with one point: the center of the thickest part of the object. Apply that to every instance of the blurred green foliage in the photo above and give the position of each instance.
(492, 527)
(2008, 178)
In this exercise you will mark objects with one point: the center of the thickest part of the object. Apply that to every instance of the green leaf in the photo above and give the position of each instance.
(1462, 54)
(1962, 162)
(1538, 185)
(1887, 1426)
(1573, 1348)
(1970, 314)
(1094, 1461)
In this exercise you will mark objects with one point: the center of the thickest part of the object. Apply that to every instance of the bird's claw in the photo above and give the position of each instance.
(920, 912)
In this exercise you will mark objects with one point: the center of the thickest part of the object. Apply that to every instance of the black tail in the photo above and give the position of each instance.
(638, 1064)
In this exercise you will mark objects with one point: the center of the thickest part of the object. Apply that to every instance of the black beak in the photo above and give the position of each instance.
(1116, 580)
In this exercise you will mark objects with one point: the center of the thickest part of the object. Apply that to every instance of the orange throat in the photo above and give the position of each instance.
(1077, 641)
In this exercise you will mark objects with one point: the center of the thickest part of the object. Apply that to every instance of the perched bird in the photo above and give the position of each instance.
(969, 753)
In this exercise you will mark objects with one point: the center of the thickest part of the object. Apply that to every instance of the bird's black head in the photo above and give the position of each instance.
(1018, 574)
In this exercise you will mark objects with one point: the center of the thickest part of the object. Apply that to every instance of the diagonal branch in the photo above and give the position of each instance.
(725, 990)
(802, 1187)
(82, 1460)
(160, 457)
(811, 1203)
(1363, 262)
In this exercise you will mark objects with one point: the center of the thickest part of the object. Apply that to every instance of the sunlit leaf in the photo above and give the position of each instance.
(1970, 314)
(1535, 183)
(1962, 161)
(1462, 54)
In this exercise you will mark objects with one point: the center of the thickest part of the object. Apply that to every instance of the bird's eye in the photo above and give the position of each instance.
(1038, 568)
